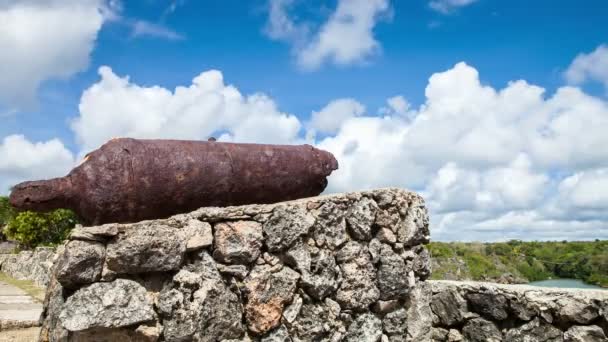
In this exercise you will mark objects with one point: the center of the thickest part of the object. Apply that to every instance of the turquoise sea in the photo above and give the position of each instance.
(565, 283)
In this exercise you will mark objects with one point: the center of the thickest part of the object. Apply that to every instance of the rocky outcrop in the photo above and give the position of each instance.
(473, 311)
(347, 267)
(34, 265)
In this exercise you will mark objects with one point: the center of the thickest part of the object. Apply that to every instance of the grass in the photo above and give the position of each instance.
(26, 285)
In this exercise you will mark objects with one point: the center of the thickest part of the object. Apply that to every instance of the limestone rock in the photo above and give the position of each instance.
(366, 328)
(481, 330)
(395, 323)
(237, 242)
(392, 275)
(358, 288)
(299, 257)
(279, 334)
(117, 304)
(197, 235)
(153, 247)
(591, 333)
(314, 323)
(439, 335)
(454, 336)
(534, 331)
(419, 314)
(361, 217)
(285, 226)
(80, 263)
(322, 280)
(577, 311)
(330, 227)
(490, 305)
(414, 228)
(267, 293)
(449, 306)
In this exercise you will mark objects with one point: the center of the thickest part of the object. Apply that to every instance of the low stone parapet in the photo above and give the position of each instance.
(34, 265)
(346, 267)
(475, 311)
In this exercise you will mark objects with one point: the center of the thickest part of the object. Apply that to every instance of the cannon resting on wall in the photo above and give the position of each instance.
(128, 180)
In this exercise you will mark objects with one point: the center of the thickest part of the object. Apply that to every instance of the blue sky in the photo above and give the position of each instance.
(374, 51)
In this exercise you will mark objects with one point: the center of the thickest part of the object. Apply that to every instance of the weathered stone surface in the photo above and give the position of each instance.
(360, 218)
(439, 334)
(365, 328)
(197, 234)
(30, 265)
(534, 331)
(481, 330)
(490, 305)
(392, 275)
(117, 304)
(577, 311)
(80, 263)
(358, 288)
(285, 226)
(591, 333)
(153, 247)
(304, 270)
(449, 306)
(267, 294)
(238, 242)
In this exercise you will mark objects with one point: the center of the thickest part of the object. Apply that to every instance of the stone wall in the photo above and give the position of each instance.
(473, 311)
(347, 267)
(32, 265)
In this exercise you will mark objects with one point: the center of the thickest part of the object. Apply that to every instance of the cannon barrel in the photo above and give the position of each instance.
(128, 180)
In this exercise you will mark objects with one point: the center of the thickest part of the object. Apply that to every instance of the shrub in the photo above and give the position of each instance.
(32, 229)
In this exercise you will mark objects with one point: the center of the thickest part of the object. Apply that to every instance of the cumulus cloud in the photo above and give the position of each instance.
(44, 40)
(21, 160)
(330, 118)
(485, 158)
(448, 6)
(116, 107)
(347, 36)
(591, 66)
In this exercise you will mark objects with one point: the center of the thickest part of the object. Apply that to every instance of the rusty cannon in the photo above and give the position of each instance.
(128, 180)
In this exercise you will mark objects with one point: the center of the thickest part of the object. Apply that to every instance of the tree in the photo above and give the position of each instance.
(33, 229)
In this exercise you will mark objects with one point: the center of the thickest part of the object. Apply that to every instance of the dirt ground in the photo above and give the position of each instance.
(20, 335)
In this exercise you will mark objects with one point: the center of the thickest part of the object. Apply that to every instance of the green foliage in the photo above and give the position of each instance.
(32, 229)
(584, 260)
(6, 211)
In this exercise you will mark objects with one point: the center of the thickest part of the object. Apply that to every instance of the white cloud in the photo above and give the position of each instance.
(589, 67)
(142, 28)
(448, 6)
(485, 157)
(21, 160)
(332, 116)
(396, 105)
(115, 107)
(44, 40)
(347, 37)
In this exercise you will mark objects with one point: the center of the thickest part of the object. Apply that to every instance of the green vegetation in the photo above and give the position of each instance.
(532, 261)
(33, 229)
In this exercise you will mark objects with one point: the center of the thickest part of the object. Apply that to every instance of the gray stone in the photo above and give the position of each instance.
(577, 311)
(365, 328)
(360, 218)
(481, 330)
(439, 334)
(534, 331)
(591, 333)
(279, 334)
(80, 263)
(299, 257)
(395, 322)
(358, 288)
(97, 233)
(117, 304)
(414, 228)
(285, 226)
(314, 323)
(237, 271)
(322, 280)
(449, 306)
(330, 228)
(237, 242)
(454, 336)
(349, 251)
(197, 234)
(419, 314)
(392, 275)
(386, 235)
(292, 310)
(267, 294)
(490, 305)
(151, 247)
(522, 309)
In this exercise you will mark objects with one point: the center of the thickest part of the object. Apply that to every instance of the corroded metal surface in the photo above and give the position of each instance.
(128, 180)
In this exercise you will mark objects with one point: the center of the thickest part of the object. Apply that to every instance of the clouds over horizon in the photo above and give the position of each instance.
(346, 37)
(493, 164)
